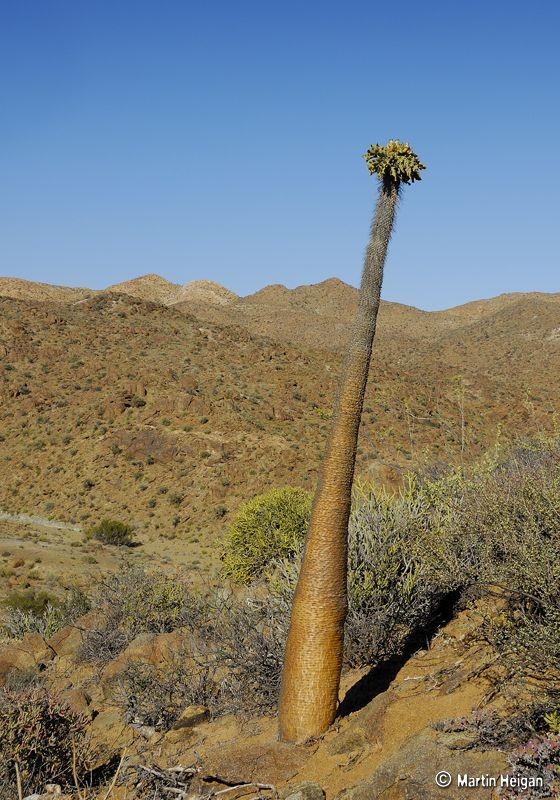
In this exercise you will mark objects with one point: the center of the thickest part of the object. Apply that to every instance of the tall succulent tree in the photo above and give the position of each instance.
(313, 657)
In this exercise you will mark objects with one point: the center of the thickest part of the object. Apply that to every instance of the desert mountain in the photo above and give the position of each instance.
(169, 416)
(205, 292)
(152, 287)
(29, 290)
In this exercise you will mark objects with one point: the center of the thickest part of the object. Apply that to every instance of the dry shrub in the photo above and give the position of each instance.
(230, 662)
(43, 737)
(135, 601)
(539, 757)
(500, 533)
(42, 613)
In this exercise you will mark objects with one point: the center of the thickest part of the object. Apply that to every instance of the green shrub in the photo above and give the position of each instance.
(30, 601)
(111, 531)
(270, 526)
(43, 737)
(42, 613)
(175, 498)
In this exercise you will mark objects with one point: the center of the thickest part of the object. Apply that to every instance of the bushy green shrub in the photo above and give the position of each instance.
(42, 613)
(270, 526)
(43, 737)
(30, 601)
(111, 531)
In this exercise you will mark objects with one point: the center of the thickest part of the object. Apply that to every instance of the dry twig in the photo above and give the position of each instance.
(115, 776)
(18, 781)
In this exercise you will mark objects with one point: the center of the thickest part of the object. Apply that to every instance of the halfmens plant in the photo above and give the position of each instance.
(314, 650)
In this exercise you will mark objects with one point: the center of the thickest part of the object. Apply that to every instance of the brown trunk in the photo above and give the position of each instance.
(313, 658)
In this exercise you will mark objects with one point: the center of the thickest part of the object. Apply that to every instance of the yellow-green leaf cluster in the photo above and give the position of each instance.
(395, 162)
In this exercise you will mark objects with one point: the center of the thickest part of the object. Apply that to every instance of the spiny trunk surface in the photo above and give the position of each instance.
(313, 658)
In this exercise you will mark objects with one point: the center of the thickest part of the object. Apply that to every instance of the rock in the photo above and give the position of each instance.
(177, 736)
(149, 648)
(273, 762)
(147, 731)
(410, 773)
(457, 740)
(303, 791)
(139, 649)
(67, 640)
(109, 732)
(29, 653)
(191, 716)
(76, 701)
(365, 729)
(147, 443)
(51, 790)
(188, 383)
(348, 742)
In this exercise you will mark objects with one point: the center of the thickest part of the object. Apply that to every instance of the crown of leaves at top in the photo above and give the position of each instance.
(395, 162)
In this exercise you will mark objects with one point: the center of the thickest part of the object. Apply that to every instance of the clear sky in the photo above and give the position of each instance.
(223, 140)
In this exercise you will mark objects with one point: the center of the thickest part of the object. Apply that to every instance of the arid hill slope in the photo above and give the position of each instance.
(29, 290)
(152, 287)
(170, 416)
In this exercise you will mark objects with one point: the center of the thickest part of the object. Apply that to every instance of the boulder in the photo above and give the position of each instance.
(273, 762)
(366, 729)
(150, 648)
(67, 640)
(303, 791)
(410, 773)
(188, 383)
(29, 653)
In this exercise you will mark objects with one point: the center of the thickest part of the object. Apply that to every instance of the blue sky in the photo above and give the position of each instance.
(223, 140)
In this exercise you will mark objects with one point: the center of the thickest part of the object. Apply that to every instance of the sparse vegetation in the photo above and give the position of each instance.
(43, 737)
(29, 601)
(111, 531)
(30, 612)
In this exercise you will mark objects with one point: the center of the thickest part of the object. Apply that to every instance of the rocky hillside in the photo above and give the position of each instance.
(169, 416)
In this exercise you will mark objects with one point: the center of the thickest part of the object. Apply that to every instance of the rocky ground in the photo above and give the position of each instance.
(385, 743)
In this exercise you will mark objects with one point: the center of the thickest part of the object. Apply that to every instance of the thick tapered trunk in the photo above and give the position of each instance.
(313, 658)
